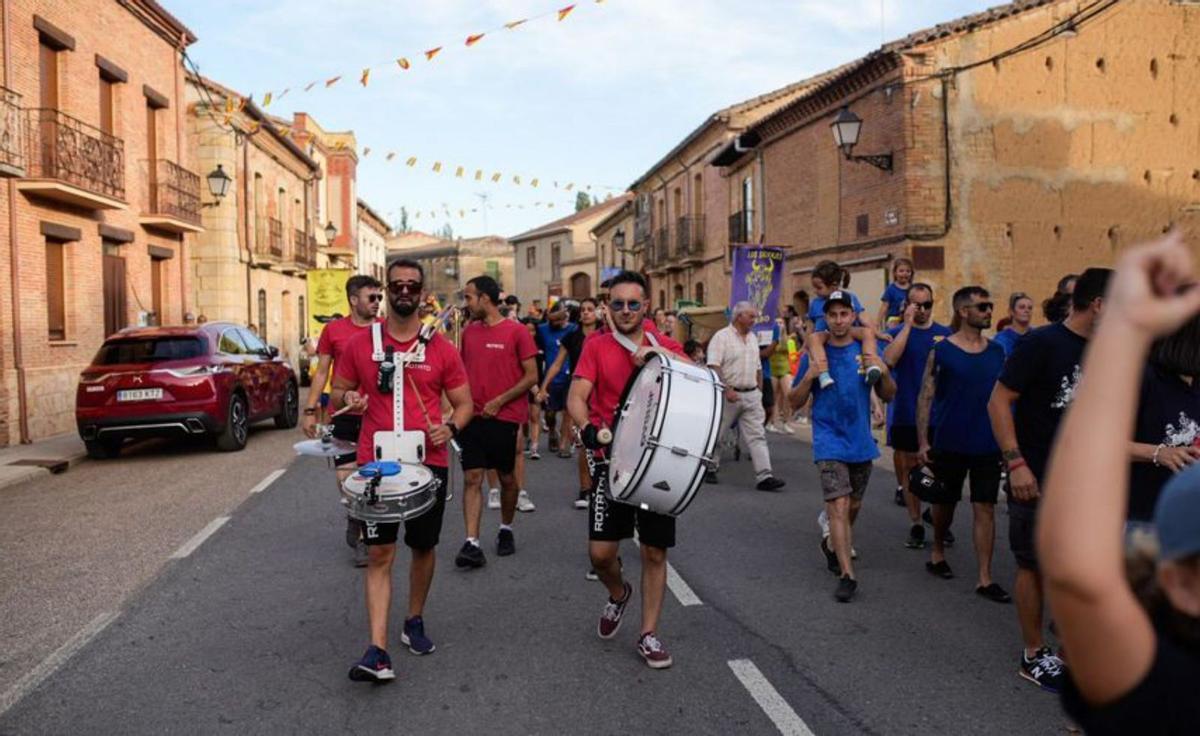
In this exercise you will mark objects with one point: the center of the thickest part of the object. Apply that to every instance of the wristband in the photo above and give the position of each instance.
(453, 429)
(1018, 463)
(1157, 450)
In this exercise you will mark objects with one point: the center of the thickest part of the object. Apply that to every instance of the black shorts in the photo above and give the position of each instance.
(1022, 520)
(768, 395)
(422, 532)
(347, 427)
(952, 469)
(903, 438)
(556, 396)
(610, 521)
(489, 443)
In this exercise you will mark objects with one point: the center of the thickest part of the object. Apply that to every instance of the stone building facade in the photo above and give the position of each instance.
(614, 243)
(559, 258)
(1029, 141)
(249, 264)
(101, 195)
(373, 232)
(336, 153)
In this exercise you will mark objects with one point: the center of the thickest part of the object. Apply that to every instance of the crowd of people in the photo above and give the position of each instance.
(965, 404)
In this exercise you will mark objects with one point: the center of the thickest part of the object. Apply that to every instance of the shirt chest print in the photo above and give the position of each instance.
(1184, 435)
(1066, 391)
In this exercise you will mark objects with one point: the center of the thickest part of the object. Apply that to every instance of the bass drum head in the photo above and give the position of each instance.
(634, 421)
(410, 478)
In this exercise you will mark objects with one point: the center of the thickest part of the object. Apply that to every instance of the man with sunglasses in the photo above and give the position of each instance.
(358, 384)
(605, 367)
(906, 356)
(959, 375)
(363, 294)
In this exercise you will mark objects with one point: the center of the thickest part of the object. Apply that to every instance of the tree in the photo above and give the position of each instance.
(404, 220)
(582, 201)
(446, 233)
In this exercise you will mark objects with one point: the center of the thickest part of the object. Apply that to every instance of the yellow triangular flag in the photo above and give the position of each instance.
(432, 53)
(516, 179)
(333, 81)
(571, 186)
(564, 12)
(412, 161)
(266, 100)
(513, 24)
(496, 176)
(458, 172)
(533, 183)
(478, 174)
(366, 75)
(474, 39)
(437, 166)
(403, 62)
(391, 155)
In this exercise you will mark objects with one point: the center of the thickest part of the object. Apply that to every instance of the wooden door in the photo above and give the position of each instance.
(48, 101)
(156, 288)
(114, 291)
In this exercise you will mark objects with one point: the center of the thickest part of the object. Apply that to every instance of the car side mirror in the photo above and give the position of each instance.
(273, 351)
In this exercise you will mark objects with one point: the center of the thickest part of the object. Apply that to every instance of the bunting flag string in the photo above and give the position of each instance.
(496, 177)
(560, 14)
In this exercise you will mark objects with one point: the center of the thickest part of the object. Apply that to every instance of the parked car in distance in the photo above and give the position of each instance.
(213, 380)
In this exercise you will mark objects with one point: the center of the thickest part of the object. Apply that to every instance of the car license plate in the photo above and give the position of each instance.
(140, 394)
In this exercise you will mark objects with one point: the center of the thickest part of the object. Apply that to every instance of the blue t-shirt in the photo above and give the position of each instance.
(894, 296)
(841, 414)
(910, 370)
(816, 311)
(552, 338)
(766, 362)
(964, 384)
(1007, 339)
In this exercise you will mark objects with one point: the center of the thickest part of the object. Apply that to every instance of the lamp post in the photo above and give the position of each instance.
(218, 185)
(331, 232)
(846, 128)
(618, 243)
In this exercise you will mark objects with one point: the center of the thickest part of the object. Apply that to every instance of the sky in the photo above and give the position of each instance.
(594, 100)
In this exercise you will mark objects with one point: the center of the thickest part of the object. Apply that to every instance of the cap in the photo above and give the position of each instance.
(1177, 516)
(839, 297)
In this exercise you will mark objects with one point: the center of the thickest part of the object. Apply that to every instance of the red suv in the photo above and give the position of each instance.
(214, 380)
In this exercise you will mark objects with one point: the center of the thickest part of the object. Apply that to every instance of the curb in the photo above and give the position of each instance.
(17, 475)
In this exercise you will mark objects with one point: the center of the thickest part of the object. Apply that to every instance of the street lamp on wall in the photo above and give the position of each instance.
(330, 232)
(218, 185)
(846, 128)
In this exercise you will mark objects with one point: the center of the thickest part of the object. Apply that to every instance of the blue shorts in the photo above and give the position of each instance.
(556, 396)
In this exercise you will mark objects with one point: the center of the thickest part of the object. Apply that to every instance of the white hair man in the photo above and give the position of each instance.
(735, 354)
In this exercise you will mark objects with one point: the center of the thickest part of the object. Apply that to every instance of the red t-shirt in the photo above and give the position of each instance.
(336, 335)
(441, 371)
(608, 366)
(493, 356)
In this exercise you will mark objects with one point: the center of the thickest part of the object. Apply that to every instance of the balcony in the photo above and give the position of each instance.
(174, 194)
(739, 227)
(303, 254)
(70, 161)
(275, 237)
(268, 238)
(662, 249)
(12, 150)
(689, 239)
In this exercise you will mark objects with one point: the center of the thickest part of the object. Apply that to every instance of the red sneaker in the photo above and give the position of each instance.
(610, 618)
(653, 652)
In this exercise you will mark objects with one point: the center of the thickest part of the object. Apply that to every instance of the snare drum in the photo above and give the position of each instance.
(399, 497)
(665, 433)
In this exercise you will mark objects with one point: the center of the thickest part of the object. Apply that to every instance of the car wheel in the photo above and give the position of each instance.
(289, 413)
(237, 425)
(103, 449)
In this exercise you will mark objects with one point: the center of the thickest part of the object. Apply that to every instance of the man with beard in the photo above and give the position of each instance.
(604, 369)
(363, 293)
(959, 376)
(356, 385)
(500, 358)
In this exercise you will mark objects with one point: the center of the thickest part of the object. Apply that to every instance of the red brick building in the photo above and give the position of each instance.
(99, 200)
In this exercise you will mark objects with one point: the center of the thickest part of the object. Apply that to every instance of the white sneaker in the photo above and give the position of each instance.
(494, 498)
(772, 429)
(523, 502)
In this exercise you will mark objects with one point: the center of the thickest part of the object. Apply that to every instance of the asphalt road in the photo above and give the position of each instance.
(254, 630)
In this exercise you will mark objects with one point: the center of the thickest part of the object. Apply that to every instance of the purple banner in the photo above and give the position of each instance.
(758, 279)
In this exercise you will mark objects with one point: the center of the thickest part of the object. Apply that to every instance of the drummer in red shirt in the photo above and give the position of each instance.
(356, 384)
(605, 367)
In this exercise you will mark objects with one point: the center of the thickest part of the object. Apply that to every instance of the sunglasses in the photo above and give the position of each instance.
(620, 306)
(372, 298)
(405, 287)
(923, 305)
(983, 306)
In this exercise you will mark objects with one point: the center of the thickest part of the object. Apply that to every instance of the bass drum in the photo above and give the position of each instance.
(664, 435)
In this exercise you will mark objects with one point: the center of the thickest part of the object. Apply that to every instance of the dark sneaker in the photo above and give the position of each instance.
(375, 666)
(847, 586)
(916, 537)
(506, 544)
(831, 560)
(582, 501)
(939, 569)
(651, 649)
(361, 554)
(552, 445)
(927, 516)
(470, 556)
(949, 540)
(352, 533)
(610, 617)
(414, 637)
(710, 476)
(994, 592)
(1045, 670)
(770, 483)
(899, 499)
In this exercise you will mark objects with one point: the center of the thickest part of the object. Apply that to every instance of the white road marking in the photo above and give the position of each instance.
(191, 545)
(681, 589)
(29, 682)
(266, 482)
(769, 699)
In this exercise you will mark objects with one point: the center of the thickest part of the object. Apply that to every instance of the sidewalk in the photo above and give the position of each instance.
(22, 463)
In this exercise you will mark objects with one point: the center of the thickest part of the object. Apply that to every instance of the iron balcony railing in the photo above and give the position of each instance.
(662, 244)
(12, 150)
(739, 230)
(175, 191)
(64, 148)
(689, 236)
(304, 249)
(275, 235)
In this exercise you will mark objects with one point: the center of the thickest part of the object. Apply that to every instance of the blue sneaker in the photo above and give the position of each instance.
(414, 636)
(375, 666)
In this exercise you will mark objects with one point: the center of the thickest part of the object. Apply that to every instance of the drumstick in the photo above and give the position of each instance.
(340, 412)
(428, 420)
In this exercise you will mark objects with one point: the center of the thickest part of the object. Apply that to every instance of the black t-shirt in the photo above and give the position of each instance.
(573, 342)
(540, 358)
(1168, 412)
(1044, 369)
(1164, 702)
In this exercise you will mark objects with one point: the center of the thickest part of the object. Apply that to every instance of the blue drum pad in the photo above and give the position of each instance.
(381, 469)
